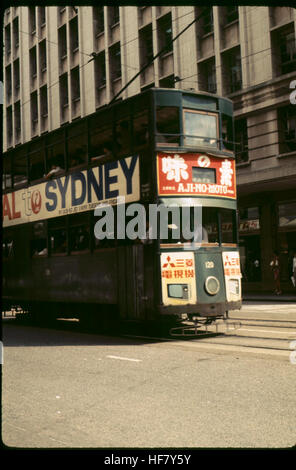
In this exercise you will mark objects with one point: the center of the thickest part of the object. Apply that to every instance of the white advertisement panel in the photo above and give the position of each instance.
(178, 278)
(77, 192)
(232, 273)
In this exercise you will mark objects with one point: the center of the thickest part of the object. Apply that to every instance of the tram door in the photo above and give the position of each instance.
(135, 283)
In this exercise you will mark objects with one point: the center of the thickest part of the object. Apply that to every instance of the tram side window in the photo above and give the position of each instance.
(141, 129)
(77, 145)
(7, 175)
(228, 226)
(7, 248)
(20, 168)
(200, 128)
(79, 233)
(123, 137)
(55, 161)
(57, 236)
(39, 239)
(101, 145)
(167, 125)
(227, 132)
(37, 162)
(210, 225)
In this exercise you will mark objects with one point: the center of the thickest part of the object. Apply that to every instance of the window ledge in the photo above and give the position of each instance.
(243, 164)
(114, 25)
(287, 154)
(75, 49)
(167, 54)
(100, 33)
(228, 25)
(206, 35)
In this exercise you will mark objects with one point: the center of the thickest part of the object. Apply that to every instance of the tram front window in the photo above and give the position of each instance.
(228, 226)
(196, 223)
(200, 128)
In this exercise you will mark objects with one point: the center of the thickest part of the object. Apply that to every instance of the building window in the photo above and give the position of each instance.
(165, 33)
(17, 121)
(207, 76)
(75, 84)
(146, 45)
(283, 50)
(231, 13)
(62, 39)
(16, 76)
(64, 95)
(42, 16)
(113, 15)
(74, 41)
(9, 126)
(287, 129)
(7, 40)
(98, 15)
(115, 61)
(42, 56)
(288, 52)
(8, 83)
(241, 140)
(167, 82)
(249, 243)
(206, 22)
(32, 20)
(33, 64)
(100, 70)
(34, 112)
(15, 31)
(232, 70)
(43, 102)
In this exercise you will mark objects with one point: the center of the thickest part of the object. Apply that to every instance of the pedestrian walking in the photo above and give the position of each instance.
(275, 266)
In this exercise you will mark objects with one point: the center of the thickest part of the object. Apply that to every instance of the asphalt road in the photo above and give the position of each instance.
(69, 389)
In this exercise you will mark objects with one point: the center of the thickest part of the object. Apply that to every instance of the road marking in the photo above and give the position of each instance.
(261, 331)
(124, 358)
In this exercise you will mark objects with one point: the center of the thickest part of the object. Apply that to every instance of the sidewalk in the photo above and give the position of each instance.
(269, 297)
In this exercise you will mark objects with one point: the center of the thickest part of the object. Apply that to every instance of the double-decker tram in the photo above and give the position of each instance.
(164, 149)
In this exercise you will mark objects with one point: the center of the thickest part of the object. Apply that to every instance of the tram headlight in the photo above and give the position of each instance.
(212, 285)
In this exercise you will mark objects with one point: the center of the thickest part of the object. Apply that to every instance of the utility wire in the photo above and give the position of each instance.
(162, 51)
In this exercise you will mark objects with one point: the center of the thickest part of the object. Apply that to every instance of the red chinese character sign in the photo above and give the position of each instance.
(195, 174)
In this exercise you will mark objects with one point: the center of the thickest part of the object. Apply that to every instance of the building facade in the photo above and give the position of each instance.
(63, 63)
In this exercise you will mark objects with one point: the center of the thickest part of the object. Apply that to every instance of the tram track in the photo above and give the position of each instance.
(246, 338)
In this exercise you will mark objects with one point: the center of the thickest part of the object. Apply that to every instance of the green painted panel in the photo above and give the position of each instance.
(209, 264)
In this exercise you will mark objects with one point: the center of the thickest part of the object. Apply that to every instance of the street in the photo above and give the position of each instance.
(64, 388)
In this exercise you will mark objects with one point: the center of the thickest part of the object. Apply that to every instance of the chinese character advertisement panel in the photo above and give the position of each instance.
(195, 174)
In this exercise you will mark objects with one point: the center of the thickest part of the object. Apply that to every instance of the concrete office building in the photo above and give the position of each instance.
(63, 63)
